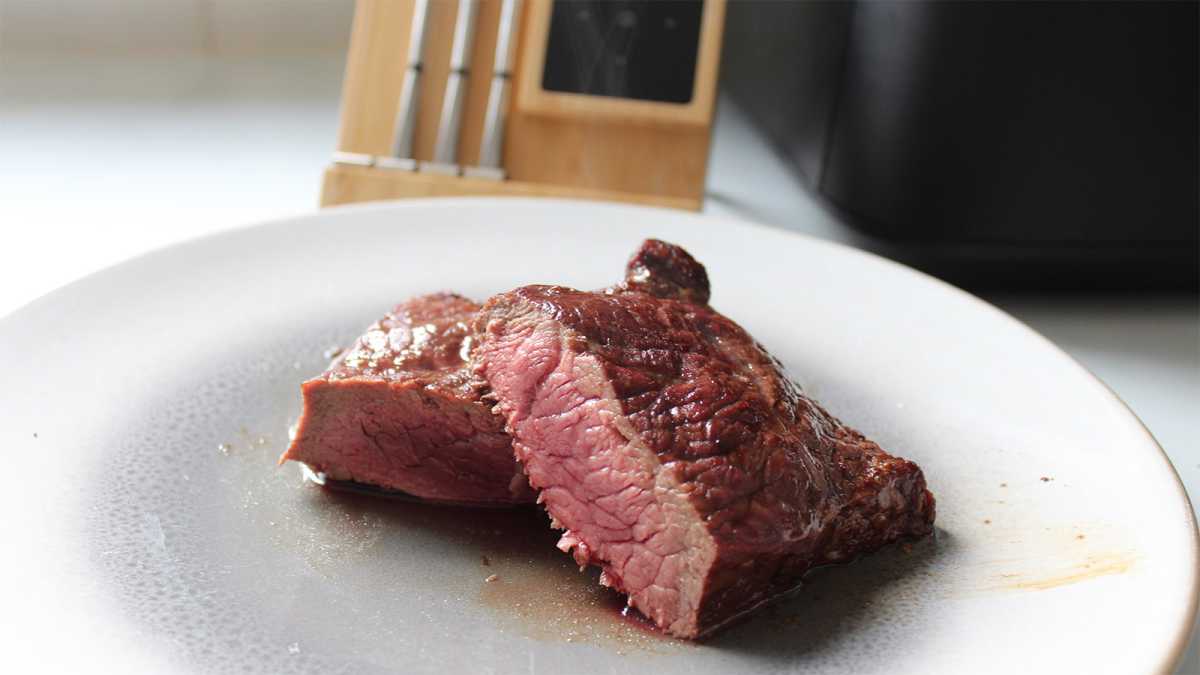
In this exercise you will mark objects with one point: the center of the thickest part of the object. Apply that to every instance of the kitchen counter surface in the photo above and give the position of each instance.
(105, 159)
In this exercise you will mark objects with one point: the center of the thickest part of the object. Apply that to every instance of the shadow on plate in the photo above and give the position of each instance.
(872, 595)
(536, 590)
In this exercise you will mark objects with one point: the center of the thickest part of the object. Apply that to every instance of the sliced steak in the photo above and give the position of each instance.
(675, 453)
(402, 411)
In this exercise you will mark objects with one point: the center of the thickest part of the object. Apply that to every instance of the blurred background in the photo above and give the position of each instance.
(1042, 155)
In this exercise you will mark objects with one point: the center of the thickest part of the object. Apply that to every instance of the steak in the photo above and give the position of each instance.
(674, 452)
(402, 411)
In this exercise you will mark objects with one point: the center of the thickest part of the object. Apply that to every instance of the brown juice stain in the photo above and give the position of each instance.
(547, 598)
(1061, 555)
(1093, 566)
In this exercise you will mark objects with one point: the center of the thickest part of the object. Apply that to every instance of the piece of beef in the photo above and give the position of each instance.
(675, 453)
(401, 410)
(667, 271)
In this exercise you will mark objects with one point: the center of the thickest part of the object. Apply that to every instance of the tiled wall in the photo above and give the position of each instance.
(159, 26)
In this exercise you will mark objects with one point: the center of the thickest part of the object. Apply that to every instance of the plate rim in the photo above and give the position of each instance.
(1179, 642)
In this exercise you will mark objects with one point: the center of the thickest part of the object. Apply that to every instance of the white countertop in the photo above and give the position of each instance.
(105, 159)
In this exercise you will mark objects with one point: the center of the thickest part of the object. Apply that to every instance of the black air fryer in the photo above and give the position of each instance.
(994, 144)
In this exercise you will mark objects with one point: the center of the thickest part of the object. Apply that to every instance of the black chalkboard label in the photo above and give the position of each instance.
(635, 49)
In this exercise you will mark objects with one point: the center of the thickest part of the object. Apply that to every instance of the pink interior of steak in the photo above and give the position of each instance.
(402, 437)
(620, 508)
(401, 410)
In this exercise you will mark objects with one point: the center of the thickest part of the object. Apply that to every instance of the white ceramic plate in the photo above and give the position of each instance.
(147, 527)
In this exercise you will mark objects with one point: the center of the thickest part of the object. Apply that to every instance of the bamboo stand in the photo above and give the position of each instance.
(444, 98)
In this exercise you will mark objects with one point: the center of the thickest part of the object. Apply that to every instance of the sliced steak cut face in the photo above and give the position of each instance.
(402, 411)
(675, 453)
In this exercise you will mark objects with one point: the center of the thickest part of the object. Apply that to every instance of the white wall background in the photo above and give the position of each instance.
(126, 125)
(214, 27)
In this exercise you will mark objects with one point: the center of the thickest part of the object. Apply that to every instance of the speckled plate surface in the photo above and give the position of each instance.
(147, 527)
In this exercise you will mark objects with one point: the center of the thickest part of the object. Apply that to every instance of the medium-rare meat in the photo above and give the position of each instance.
(401, 410)
(674, 452)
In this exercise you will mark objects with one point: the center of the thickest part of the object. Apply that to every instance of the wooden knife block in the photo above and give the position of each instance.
(554, 143)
